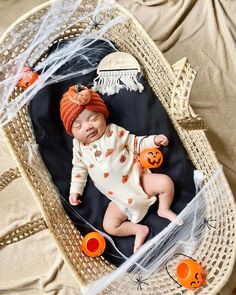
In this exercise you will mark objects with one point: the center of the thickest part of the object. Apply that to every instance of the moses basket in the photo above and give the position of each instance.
(217, 248)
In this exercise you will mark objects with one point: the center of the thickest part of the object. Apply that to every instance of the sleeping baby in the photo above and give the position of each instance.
(109, 154)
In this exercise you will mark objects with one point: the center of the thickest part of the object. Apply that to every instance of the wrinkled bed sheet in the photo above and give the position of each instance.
(204, 31)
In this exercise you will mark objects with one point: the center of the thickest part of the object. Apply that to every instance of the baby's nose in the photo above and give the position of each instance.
(89, 127)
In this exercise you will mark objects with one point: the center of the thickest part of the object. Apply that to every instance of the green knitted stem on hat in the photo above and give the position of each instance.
(78, 87)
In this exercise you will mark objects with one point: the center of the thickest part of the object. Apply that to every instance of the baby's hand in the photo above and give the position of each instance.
(161, 140)
(74, 199)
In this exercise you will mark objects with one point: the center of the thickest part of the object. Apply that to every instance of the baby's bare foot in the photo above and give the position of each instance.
(168, 214)
(140, 236)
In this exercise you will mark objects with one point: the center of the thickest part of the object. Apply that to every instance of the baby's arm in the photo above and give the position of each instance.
(79, 176)
(78, 181)
(138, 143)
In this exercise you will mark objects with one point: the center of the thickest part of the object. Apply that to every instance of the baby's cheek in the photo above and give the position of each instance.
(79, 136)
(102, 127)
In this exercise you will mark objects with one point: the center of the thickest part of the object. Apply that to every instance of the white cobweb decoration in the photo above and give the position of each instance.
(62, 14)
(137, 272)
(154, 254)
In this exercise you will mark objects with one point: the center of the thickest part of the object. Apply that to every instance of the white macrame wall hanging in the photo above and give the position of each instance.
(116, 71)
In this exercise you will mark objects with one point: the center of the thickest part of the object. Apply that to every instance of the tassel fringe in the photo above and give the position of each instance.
(111, 82)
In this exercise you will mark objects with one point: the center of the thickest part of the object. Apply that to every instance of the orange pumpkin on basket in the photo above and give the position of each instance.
(151, 158)
(190, 274)
(28, 78)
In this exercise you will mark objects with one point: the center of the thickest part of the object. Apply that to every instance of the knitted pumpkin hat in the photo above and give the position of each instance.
(75, 100)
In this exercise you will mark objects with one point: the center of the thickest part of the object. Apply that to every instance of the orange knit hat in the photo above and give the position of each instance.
(75, 100)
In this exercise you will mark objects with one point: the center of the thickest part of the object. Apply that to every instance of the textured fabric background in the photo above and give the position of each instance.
(204, 31)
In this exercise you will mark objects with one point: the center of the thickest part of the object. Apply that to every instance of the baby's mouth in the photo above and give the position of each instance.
(92, 134)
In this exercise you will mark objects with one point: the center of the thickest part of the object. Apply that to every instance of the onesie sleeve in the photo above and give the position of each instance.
(79, 172)
(132, 142)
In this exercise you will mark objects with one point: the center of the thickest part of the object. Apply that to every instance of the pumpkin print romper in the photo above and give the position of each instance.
(111, 162)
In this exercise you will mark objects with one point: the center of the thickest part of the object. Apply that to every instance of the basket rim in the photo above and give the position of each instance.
(155, 48)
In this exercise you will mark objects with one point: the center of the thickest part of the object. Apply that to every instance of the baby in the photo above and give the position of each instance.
(109, 154)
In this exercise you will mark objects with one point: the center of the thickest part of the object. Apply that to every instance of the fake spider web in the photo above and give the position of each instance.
(58, 15)
(138, 272)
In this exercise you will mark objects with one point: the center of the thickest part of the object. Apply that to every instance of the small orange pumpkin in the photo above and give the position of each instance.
(28, 78)
(151, 158)
(79, 94)
(190, 274)
(93, 244)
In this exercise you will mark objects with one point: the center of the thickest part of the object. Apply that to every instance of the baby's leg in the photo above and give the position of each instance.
(162, 185)
(115, 223)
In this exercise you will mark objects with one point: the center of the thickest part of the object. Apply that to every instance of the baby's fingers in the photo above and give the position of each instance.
(165, 142)
(74, 200)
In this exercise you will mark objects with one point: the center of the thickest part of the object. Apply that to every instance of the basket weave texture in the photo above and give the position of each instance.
(172, 86)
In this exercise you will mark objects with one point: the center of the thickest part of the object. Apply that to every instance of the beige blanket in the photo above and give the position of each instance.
(202, 30)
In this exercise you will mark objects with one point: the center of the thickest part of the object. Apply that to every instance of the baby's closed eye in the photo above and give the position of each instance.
(93, 119)
(77, 126)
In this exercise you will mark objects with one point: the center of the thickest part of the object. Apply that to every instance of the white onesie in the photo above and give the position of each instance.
(111, 162)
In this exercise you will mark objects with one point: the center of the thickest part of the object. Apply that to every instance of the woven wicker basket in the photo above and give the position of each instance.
(172, 85)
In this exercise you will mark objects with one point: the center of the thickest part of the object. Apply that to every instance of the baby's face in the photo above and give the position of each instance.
(88, 126)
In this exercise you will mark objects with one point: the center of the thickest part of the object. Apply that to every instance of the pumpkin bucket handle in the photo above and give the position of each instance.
(179, 285)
